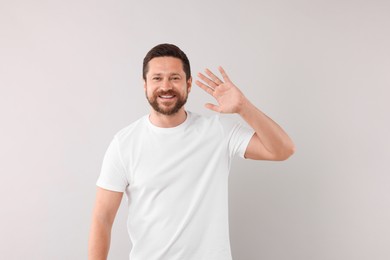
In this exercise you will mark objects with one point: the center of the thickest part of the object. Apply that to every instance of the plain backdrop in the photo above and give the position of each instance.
(70, 78)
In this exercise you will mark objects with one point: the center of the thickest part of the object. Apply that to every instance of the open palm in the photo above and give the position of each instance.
(227, 95)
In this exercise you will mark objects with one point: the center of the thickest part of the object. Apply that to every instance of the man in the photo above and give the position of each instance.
(174, 165)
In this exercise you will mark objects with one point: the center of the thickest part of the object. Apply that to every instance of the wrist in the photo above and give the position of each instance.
(244, 106)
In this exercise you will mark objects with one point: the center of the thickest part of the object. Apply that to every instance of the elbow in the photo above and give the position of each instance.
(286, 153)
(290, 151)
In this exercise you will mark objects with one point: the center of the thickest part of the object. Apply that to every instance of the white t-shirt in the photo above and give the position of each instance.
(176, 182)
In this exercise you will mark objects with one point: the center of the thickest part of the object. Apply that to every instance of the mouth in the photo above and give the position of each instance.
(167, 97)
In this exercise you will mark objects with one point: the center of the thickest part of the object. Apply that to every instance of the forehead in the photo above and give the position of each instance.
(165, 65)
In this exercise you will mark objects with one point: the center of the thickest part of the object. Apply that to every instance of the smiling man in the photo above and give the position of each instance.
(173, 165)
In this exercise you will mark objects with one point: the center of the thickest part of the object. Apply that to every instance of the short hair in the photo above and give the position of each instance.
(166, 50)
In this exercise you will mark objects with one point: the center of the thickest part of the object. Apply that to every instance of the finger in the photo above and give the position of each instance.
(207, 80)
(213, 77)
(224, 74)
(212, 107)
(205, 87)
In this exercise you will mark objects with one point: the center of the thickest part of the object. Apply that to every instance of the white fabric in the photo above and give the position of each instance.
(176, 182)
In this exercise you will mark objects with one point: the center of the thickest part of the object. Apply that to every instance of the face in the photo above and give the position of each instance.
(166, 87)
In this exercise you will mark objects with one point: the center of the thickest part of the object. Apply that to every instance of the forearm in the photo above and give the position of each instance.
(272, 136)
(99, 240)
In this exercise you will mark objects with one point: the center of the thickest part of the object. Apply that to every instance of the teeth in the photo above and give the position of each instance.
(166, 96)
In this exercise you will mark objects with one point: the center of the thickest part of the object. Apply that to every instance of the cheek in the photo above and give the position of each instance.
(148, 93)
(148, 89)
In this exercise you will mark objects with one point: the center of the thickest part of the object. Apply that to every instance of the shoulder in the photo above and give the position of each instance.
(131, 130)
(201, 120)
(222, 122)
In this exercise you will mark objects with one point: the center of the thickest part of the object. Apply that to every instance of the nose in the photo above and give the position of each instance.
(166, 84)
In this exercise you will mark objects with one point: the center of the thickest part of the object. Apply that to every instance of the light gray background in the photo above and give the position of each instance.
(70, 75)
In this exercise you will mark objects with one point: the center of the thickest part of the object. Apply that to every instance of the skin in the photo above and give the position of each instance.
(106, 206)
(166, 74)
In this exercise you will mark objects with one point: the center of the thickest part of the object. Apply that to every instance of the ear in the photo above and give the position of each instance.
(144, 80)
(189, 84)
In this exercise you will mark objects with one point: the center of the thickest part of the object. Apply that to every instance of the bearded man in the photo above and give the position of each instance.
(174, 165)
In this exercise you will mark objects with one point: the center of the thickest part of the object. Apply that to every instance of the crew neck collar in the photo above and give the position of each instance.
(169, 129)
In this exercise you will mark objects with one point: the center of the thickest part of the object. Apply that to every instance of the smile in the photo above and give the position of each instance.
(167, 96)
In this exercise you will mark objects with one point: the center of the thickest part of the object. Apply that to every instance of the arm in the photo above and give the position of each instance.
(269, 142)
(106, 207)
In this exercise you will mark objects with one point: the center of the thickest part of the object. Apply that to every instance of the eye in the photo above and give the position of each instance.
(156, 78)
(175, 78)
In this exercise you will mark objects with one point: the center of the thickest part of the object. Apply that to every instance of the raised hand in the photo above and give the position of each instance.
(229, 98)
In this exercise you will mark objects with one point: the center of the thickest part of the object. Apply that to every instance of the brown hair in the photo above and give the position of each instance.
(166, 50)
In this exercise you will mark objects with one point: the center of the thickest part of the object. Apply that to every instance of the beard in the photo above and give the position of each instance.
(168, 107)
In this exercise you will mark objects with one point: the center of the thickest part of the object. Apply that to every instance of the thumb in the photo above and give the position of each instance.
(212, 107)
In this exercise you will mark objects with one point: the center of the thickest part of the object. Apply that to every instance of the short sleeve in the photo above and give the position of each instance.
(238, 135)
(113, 173)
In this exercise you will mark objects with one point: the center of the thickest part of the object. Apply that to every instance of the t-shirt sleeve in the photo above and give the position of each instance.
(113, 173)
(238, 136)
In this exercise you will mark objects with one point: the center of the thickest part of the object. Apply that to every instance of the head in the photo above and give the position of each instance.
(167, 78)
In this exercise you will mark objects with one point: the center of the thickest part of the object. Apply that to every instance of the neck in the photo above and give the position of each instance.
(166, 121)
